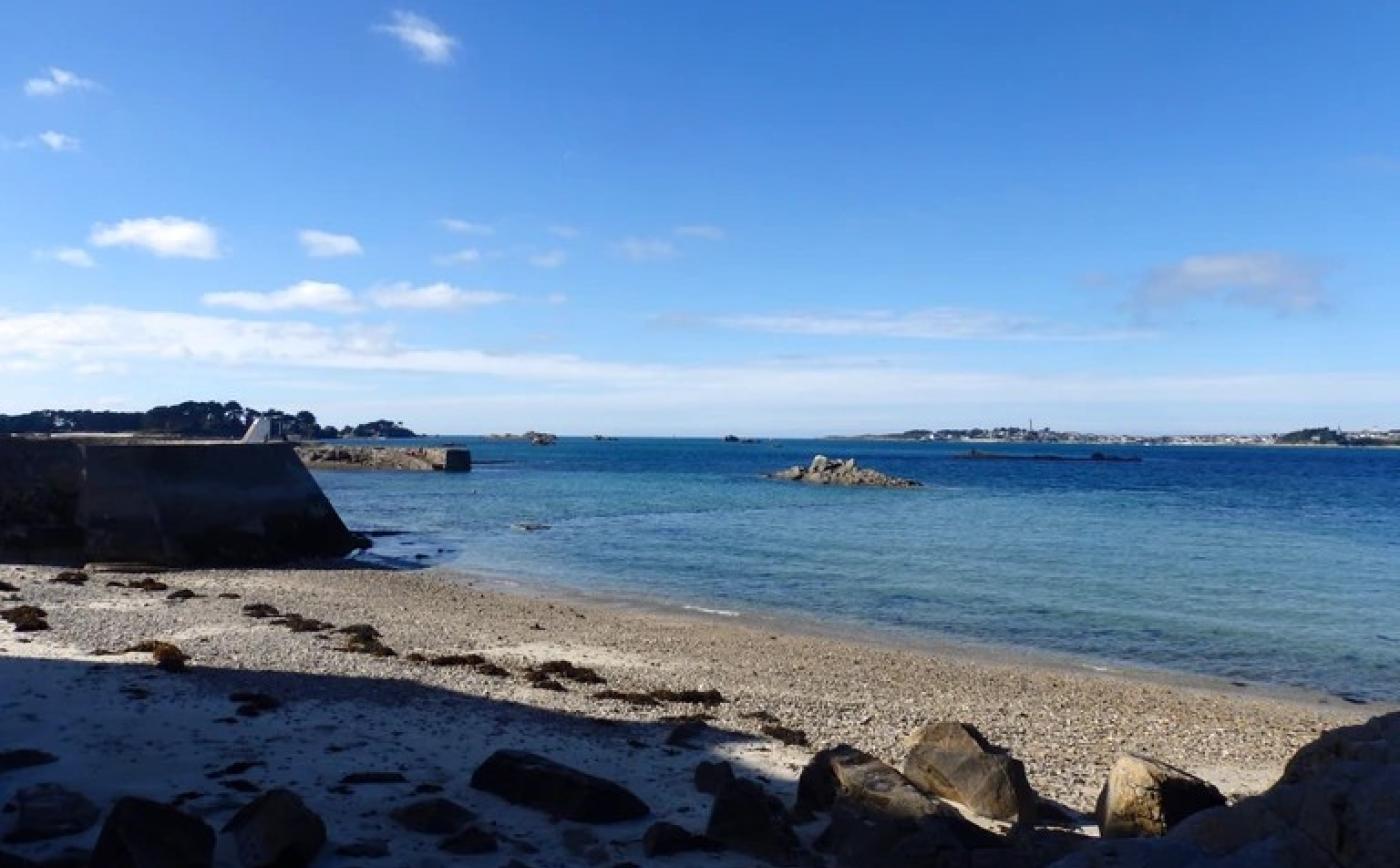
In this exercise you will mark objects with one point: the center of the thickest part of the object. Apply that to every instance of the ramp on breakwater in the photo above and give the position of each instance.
(170, 503)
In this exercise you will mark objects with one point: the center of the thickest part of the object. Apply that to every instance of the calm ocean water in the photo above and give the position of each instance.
(1279, 566)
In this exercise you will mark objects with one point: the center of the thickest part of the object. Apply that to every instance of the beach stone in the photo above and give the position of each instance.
(710, 777)
(277, 830)
(954, 761)
(369, 848)
(528, 779)
(850, 773)
(436, 816)
(858, 838)
(140, 833)
(471, 841)
(46, 811)
(668, 839)
(1146, 798)
(23, 758)
(746, 818)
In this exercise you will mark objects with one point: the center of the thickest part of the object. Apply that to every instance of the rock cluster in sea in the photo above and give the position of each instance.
(838, 471)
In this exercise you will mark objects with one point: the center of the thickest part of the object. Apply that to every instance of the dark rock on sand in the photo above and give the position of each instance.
(369, 848)
(786, 735)
(27, 619)
(436, 816)
(567, 670)
(1144, 797)
(77, 578)
(168, 657)
(685, 733)
(534, 781)
(695, 697)
(24, 758)
(260, 610)
(364, 639)
(46, 811)
(140, 833)
(711, 777)
(954, 761)
(7, 588)
(845, 772)
(668, 839)
(471, 841)
(277, 830)
(858, 838)
(746, 818)
(356, 778)
(252, 704)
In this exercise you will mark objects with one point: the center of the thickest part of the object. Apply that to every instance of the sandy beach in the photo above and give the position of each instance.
(121, 726)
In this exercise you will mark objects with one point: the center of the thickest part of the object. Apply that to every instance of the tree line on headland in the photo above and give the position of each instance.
(191, 419)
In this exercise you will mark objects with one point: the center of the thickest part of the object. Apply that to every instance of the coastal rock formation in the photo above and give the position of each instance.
(524, 778)
(1337, 804)
(845, 772)
(324, 457)
(140, 833)
(277, 830)
(954, 761)
(837, 471)
(46, 811)
(668, 839)
(435, 816)
(746, 818)
(1144, 798)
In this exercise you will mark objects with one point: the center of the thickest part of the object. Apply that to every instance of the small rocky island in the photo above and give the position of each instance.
(336, 457)
(842, 471)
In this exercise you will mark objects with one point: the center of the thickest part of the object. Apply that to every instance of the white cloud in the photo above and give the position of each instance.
(434, 296)
(469, 256)
(56, 141)
(327, 244)
(164, 236)
(568, 233)
(549, 258)
(645, 249)
(466, 227)
(74, 256)
(709, 233)
(430, 42)
(1255, 279)
(927, 324)
(306, 295)
(556, 298)
(57, 81)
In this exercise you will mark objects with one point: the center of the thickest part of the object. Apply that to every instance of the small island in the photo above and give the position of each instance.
(838, 471)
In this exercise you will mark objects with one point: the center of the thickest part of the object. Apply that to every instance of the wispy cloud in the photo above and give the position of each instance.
(168, 237)
(1268, 280)
(709, 233)
(468, 256)
(636, 249)
(74, 256)
(51, 139)
(325, 245)
(306, 295)
(466, 227)
(434, 296)
(568, 233)
(549, 258)
(424, 38)
(56, 81)
(926, 324)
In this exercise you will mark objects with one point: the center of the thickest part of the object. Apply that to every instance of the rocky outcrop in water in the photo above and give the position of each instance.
(837, 471)
(323, 457)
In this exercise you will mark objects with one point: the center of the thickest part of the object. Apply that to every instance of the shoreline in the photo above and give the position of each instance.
(912, 640)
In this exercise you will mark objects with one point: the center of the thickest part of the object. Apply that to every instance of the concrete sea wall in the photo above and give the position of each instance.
(69, 501)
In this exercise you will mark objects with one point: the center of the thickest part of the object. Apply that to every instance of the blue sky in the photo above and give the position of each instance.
(706, 217)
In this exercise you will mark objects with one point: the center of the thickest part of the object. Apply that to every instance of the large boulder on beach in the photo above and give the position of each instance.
(140, 833)
(1146, 798)
(747, 818)
(1337, 804)
(46, 811)
(838, 471)
(277, 830)
(954, 761)
(845, 772)
(527, 779)
(856, 837)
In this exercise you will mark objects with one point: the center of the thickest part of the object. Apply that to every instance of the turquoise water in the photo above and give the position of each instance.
(1279, 566)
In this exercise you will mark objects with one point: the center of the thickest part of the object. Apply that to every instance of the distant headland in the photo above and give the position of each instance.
(211, 419)
(1301, 437)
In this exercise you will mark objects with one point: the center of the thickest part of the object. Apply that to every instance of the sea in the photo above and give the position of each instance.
(1261, 565)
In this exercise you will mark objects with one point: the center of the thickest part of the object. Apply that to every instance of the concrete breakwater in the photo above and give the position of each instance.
(332, 457)
(167, 503)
